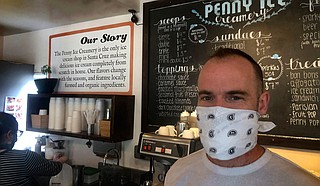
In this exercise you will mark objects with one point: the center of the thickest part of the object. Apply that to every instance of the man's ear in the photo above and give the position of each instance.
(8, 137)
(263, 103)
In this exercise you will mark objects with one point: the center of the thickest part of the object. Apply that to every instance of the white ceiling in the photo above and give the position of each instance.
(19, 16)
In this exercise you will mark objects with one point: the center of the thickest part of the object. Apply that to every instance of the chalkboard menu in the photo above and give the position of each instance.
(283, 36)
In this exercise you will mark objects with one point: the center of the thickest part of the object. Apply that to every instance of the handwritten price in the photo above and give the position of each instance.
(271, 85)
(262, 50)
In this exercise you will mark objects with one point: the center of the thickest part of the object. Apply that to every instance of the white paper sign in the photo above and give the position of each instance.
(93, 60)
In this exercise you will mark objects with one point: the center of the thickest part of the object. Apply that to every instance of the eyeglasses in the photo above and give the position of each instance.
(19, 133)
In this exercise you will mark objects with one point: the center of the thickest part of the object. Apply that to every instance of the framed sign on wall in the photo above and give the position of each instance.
(96, 60)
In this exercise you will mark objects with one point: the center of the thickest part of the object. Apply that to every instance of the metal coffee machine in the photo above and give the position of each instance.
(163, 151)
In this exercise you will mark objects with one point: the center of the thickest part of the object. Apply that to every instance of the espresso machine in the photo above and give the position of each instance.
(162, 151)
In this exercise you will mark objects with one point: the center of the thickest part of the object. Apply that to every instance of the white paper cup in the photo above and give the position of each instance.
(76, 122)
(52, 111)
(59, 120)
(70, 106)
(69, 124)
(163, 131)
(77, 104)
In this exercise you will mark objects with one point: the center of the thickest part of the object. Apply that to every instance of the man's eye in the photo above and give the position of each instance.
(235, 98)
(206, 98)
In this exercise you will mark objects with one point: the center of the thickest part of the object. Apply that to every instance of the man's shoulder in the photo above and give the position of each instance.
(18, 152)
(183, 167)
(26, 154)
(279, 160)
(189, 161)
(283, 166)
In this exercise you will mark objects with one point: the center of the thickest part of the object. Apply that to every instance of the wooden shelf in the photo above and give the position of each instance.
(121, 123)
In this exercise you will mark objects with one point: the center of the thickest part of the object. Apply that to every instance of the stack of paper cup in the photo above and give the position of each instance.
(76, 122)
(69, 123)
(52, 105)
(59, 118)
(69, 111)
(77, 104)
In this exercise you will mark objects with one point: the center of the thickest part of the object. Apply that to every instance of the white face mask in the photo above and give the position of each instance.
(229, 133)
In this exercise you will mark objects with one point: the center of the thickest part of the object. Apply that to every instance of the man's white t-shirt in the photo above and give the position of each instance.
(270, 169)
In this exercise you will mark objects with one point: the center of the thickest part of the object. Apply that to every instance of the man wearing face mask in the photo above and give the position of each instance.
(21, 167)
(231, 99)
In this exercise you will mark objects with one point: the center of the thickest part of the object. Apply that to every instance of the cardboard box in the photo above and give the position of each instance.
(104, 128)
(40, 121)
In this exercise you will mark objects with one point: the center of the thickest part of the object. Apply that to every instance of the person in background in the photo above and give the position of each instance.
(231, 99)
(21, 167)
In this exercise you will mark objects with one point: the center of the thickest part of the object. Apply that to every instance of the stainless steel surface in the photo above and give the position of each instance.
(164, 151)
(115, 151)
(169, 147)
(181, 126)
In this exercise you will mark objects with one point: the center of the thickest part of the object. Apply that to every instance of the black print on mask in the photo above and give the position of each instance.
(249, 131)
(211, 116)
(248, 145)
(232, 150)
(251, 116)
(231, 117)
(213, 150)
(211, 133)
(232, 133)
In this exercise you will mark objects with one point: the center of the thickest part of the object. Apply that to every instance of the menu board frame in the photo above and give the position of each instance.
(147, 126)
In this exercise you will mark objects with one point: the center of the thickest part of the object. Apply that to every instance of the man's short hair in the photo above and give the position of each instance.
(226, 52)
(7, 123)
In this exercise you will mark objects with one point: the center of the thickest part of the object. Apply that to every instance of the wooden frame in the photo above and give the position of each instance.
(146, 126)
(94, 60)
